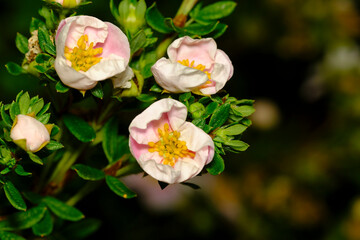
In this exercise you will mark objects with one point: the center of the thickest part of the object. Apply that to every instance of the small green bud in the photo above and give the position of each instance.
(132, 15)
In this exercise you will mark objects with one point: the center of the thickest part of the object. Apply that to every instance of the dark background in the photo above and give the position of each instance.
(300, 179)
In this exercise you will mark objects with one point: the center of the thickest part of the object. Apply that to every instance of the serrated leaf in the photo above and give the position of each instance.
(19, 170)
(217, 10)
(63, 210)
(216, 166)
(79, 128)
(156, 20)
(45, 43)
(88, 173)
(220, 115)
(98, 91)
(21, 43)
(44, 227)
(24, 103)
(138, 41)
(23, 220)
(14, 68)
(54, 145)
(114, 145)
(61, 88)
(10, 236)
(118, 187)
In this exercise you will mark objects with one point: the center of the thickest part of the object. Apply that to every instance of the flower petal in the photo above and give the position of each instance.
(122, 80)
(202, 51)
(144, 127)
(175, 77)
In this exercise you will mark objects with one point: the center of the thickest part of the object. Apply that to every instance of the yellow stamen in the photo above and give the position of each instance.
(84, 55)
(169, 146)
(200, 67)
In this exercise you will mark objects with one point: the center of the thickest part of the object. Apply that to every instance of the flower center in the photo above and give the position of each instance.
(200, 67)
(83, 56)
(169, 146)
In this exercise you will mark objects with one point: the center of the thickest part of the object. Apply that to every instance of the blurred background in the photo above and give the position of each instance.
(300, 178)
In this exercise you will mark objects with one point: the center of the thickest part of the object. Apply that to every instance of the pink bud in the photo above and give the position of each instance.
(27, 128)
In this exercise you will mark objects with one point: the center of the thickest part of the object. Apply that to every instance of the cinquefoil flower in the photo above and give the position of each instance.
(166, 146)
(194, 65)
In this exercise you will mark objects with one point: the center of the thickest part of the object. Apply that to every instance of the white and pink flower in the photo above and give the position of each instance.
(166, 146)
(89, 50)
(194, 65)
(29, 133)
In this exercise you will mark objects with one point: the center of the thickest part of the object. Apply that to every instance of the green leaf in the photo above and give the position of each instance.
(24, 103)
(184, 97)
(79, 128)
(219, 30)
(81, 229)
(234, 129)
(14, 110)
(54, 145)
(114, 10)
(156, 88)
(216, 166)
(217, 10)
(36, 106)
(197, 110)
(98, 91)
(5, 171)
(42, 58)
(200, 29)
(138, 41)
(35, 158)
(14, 196)
(19, 170)
(118, 187)
(14, 69)
(21, 43)
(44, 119)
(23, 220)
(146, 98)
(63, 210)
(210, 108)
(45, 42)
(44, 227)
(5, 117)
(40, 68)
(10, 236)
(237, 145)
(114, 145)
(243, 111)
(156, 20)
(35, 24)
(61, 88)
(220, 116)
(88, 173)
(39, 110)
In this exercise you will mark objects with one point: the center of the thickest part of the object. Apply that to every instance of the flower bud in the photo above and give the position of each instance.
(29, 133)
(68, 3)
(132, 15)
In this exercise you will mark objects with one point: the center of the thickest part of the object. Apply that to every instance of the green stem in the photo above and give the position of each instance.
(162, 48)
(64, 165)
(186, 7)
(85, 190)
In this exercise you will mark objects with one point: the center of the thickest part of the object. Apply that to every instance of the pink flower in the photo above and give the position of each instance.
(89, 50)
(29, 133)
(194, 65)
(167, 147)
(68, 3)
